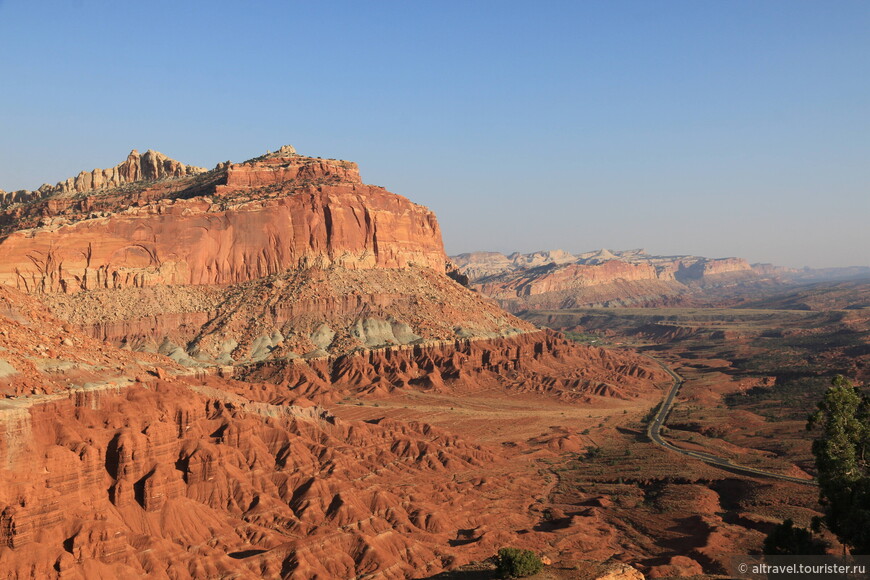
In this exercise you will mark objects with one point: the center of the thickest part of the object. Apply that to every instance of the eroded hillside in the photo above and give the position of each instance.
(270, 370)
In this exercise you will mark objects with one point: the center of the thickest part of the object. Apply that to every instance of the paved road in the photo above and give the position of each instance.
(653, 430)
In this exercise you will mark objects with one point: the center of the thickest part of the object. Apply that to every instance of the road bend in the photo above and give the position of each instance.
(654, 428)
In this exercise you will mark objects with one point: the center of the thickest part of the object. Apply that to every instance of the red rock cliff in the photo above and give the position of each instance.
(275, 213)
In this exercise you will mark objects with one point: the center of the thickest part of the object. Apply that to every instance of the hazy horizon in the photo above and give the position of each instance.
(705, 128)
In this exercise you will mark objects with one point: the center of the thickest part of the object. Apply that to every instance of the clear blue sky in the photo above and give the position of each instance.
(715, 128)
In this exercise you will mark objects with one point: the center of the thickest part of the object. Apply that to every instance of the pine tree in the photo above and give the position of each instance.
(842, 455)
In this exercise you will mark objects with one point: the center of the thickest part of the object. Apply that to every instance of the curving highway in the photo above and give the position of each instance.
(653, 431)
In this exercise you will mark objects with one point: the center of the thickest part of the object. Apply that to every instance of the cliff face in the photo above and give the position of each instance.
(704, 269)
(200, 242)
(569, 276)
(591, 268)
(257, 219)
(557, 279)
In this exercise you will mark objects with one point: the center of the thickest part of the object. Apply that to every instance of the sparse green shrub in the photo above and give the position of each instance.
(787, 540)
(593, 452)
(517, 563)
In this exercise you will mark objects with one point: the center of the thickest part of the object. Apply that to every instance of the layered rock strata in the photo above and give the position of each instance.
(538, 362)
(259, 259)
(267, 217)
(558, 279)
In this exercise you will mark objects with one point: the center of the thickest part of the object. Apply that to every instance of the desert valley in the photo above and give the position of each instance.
(270, 369)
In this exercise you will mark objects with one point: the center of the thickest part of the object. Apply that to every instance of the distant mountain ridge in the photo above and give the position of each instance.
(480, 265)
(556, 279)
(560, 279)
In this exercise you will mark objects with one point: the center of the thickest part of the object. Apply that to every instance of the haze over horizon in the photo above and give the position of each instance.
(706, 128)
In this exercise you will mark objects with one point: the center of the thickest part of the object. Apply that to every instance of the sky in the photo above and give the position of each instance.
(684, 127)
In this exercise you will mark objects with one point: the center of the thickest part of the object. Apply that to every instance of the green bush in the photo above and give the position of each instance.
(787, 540)
(593, 452)
(516, 563)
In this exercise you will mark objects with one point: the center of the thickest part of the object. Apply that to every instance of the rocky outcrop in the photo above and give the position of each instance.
(149, 166)
(619, 571)
(283, 166)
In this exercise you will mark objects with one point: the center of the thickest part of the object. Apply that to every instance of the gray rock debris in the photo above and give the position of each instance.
(6, 369)
(263, 345)
(374, 332)
(322, 336)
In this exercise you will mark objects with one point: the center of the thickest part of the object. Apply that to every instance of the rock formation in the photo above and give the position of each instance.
(257, 219)
(535, 362)
(149, 166)
(249, 260)
(558, 279)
